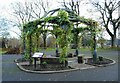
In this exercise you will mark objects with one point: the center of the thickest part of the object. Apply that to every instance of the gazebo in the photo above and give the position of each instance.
(63, 22)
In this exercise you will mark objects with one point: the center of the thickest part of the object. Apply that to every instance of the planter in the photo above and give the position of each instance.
(52, 60)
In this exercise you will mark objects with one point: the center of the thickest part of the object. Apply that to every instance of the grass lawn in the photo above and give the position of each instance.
(84, 49)
(2, 52)
(72, 50)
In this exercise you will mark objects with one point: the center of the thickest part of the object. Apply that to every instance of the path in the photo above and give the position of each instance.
(10, 72)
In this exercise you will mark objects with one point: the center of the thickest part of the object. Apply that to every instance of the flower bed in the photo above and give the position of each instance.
(48, 67)
(103, 62)
(47, 64)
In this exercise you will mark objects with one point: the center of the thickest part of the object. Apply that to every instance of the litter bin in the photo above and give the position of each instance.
(80, 59)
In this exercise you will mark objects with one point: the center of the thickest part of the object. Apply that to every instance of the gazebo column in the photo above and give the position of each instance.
(44, 39)
(37, 36)
(24, 43)
(76, 41)
(94, 46)
(76, 51)
(57, 51)
(30, 49)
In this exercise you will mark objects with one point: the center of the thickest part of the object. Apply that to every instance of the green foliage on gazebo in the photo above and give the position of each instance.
(63, 27)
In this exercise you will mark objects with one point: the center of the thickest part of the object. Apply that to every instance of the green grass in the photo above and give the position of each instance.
(83, 49)
(109, 49)
(50, 49)
(47, 49)
(2, 52)
(101, 49)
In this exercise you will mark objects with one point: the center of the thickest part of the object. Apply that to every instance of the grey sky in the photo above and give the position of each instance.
(5, 8)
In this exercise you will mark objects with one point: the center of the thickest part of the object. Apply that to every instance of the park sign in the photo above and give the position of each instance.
(37, 55)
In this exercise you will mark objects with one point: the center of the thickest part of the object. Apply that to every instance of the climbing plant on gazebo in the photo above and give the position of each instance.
(56, 32)
(65, 24)
(64, 31)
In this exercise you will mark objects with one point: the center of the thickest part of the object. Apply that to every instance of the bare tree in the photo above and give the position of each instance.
(73, 5)
(22, 13)
(27, 11)
(4, 27)
(119, 26)
(108, 10)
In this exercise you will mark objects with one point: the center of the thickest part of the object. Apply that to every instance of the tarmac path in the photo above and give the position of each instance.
(10, 71)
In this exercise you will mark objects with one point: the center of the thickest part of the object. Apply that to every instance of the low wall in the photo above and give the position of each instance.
(51, 60)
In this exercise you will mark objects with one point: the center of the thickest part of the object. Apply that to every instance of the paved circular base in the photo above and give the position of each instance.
(60, 71)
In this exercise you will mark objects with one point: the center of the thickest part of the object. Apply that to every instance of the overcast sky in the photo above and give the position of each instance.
(5, 6)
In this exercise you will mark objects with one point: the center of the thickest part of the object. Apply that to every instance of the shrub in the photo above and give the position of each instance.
(13, 51)
(44, 63)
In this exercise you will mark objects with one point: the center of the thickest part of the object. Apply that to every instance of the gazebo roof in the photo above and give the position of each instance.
(54, 19)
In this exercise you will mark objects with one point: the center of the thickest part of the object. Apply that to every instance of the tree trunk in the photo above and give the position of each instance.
(113, 38)
(102, 45)
(112, 41)
(3, 43)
